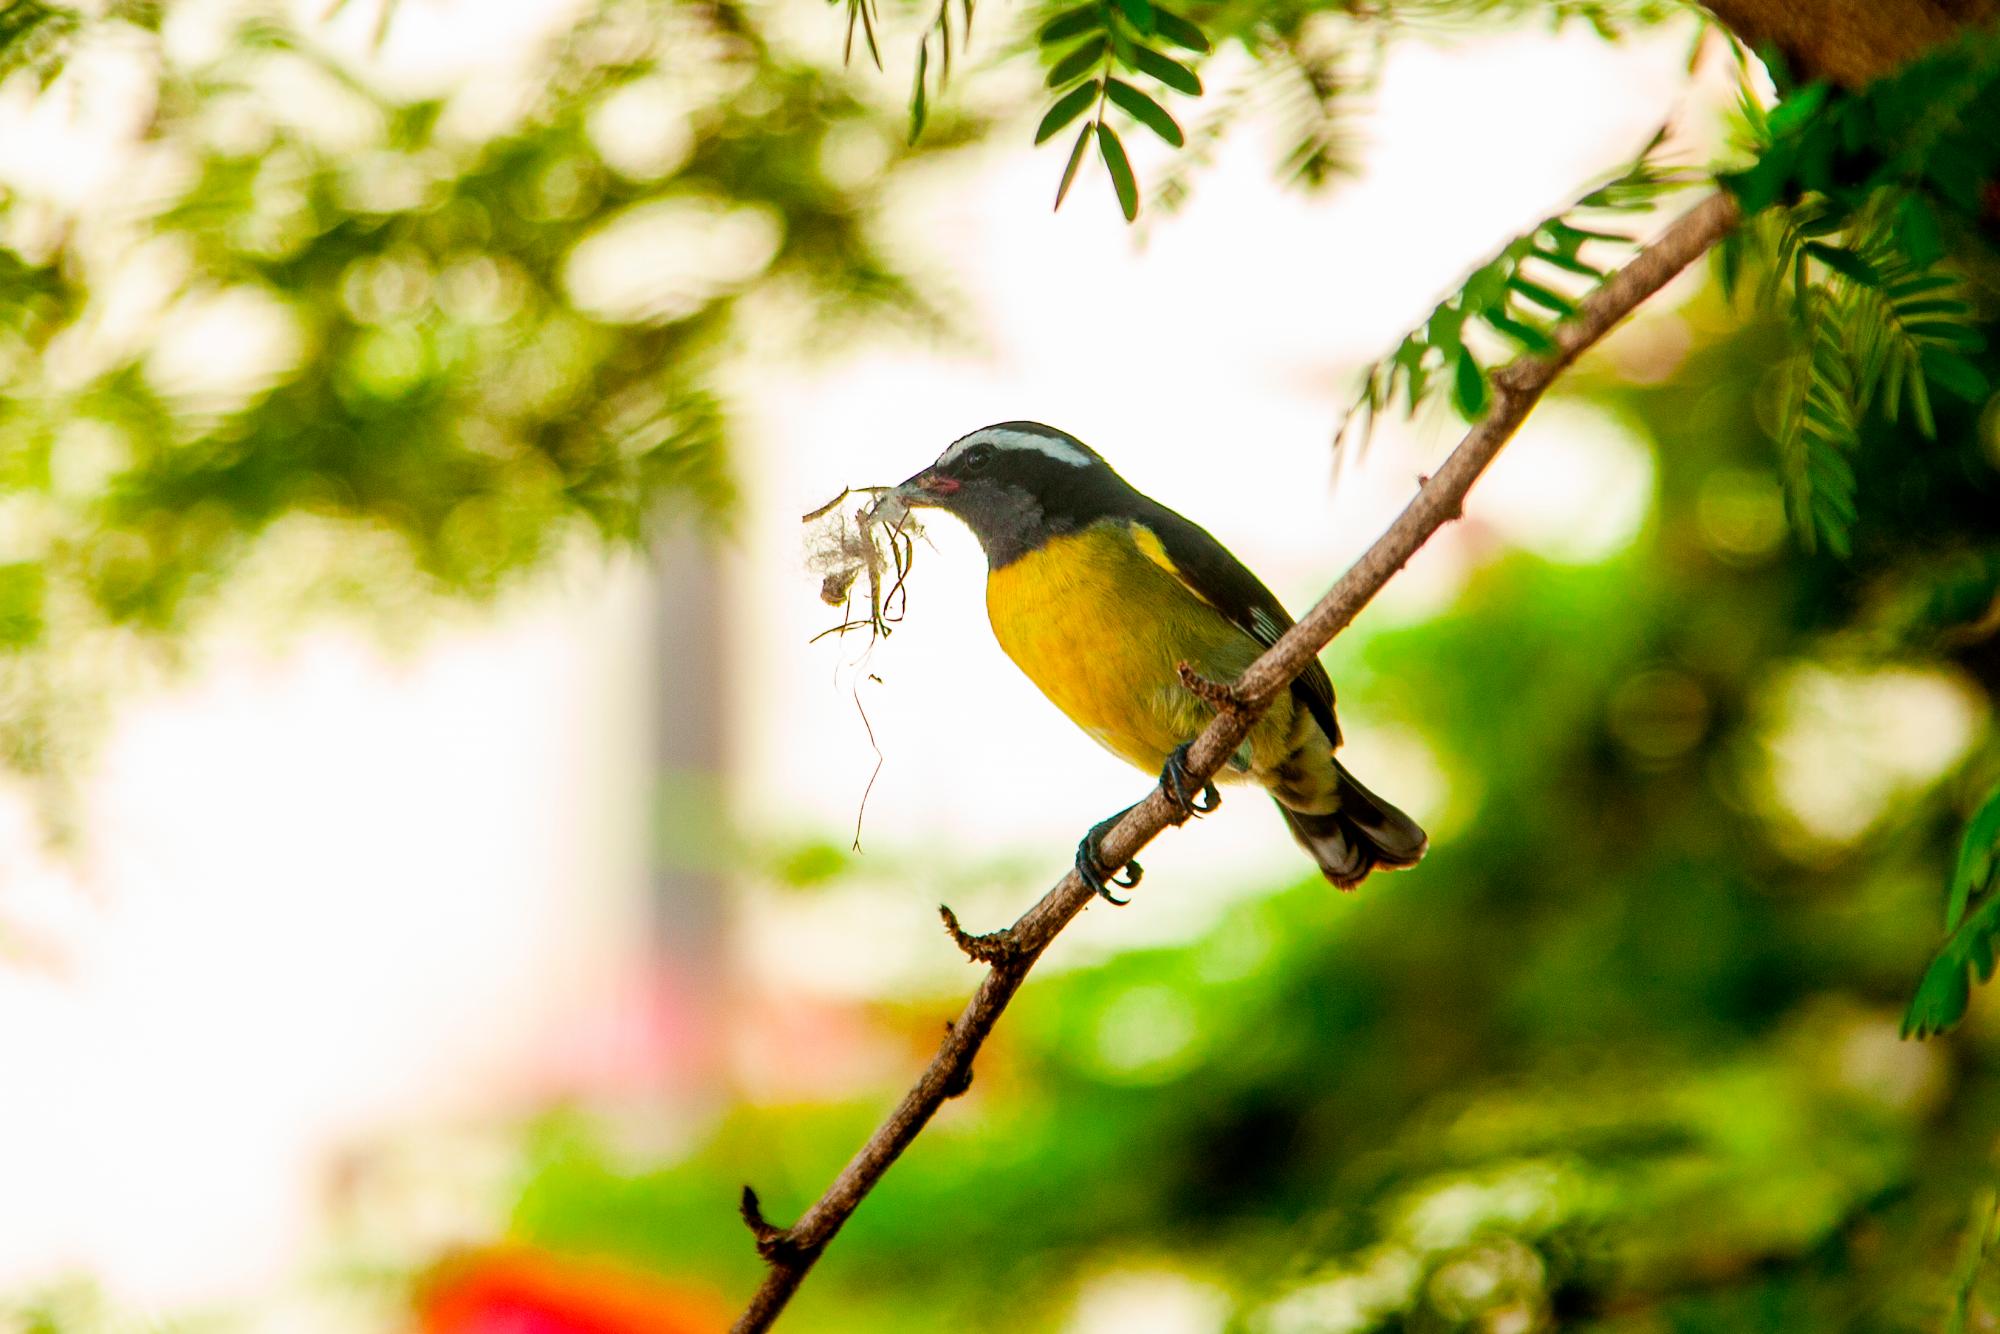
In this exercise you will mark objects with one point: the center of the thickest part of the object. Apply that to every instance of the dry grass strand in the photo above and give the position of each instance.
(877, 540)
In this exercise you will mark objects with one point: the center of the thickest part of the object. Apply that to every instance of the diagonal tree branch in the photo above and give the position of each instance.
(791, 1252)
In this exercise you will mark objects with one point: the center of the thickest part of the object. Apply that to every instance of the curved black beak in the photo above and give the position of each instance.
(929, 487)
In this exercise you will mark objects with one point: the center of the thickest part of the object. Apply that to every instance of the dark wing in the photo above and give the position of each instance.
(1214, 575)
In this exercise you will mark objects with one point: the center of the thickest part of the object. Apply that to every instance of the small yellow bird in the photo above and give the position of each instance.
(1098, 593)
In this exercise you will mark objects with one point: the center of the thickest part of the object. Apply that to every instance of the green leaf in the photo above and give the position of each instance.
(1445, 330)
(1146, 111)
(1570, 263)
(1121, 46)
(1075, 161)
(864, 10)
(1469, 391)
(1120, 168)
(1410, 359)
(1729, 264)
(1486, 287)
(1179, 31)
(1958, 315)
(1956, 332)
(1067, 108)
(919, 107)
(1917, 229)
(1972, 924)
(1072, 23)
(1921, 282)
(1978, 857)
(1844, 262)
(1755, 189)
(1920, 404)
(1553, 302)
(1818, 426)
(1527, 335)
(1168, 71)
(1077, 63)
(1957, 375)
(1972, 1257)
(1581, 234)
(1139, 12)
(1797, 110)
(1941, 999)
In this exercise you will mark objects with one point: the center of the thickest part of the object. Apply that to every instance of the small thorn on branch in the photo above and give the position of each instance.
(1217, 695)
(774, 1243)
(752, 1210)
(995, 949)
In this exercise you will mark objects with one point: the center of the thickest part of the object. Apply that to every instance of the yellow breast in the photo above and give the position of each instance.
(1099, 625)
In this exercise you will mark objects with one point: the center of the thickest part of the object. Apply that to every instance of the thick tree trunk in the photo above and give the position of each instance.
(1850, 41)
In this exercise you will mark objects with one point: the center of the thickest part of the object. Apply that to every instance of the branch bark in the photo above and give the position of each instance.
(1850, 41)
(791, 1252)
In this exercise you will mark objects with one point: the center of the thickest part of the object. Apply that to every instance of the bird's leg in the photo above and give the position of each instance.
(1090, 863)
(1174, 782)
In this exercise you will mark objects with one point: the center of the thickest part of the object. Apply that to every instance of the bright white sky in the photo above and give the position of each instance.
(335, 891)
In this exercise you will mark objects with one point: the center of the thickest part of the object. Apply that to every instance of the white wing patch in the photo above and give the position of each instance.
(1265, 626)
(1003, 438)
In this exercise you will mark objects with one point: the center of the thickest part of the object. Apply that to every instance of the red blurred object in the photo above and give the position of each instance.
(526, 1292)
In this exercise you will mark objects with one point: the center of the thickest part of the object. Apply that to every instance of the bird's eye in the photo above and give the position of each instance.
(976, 458)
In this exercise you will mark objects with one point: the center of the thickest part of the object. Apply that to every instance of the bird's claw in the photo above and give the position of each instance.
(1091, 869)
(1174, 782)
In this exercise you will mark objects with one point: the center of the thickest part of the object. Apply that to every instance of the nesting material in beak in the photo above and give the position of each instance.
(877, 539)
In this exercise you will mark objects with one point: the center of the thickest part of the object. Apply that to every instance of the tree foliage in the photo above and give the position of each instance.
(1972, 926)
(1863, 205)
(1514, 299)
(374, 339)
(1845, 196)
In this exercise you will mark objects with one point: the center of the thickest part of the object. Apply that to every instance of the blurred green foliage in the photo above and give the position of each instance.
(371, 339)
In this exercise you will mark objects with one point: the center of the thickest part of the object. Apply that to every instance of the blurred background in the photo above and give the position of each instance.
(434, 871)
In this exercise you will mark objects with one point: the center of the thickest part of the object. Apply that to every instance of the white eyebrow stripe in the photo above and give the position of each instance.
(1054, 447)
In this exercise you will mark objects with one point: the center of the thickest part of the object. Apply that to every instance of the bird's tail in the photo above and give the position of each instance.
(1364, 834)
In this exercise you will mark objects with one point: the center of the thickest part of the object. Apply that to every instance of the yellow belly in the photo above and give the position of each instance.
(1101, 628)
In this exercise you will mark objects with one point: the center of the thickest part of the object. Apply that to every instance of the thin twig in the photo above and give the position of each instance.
(861, 813)
(791, 1252)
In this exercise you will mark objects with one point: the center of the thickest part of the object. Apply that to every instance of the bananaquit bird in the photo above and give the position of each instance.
(1098, 593)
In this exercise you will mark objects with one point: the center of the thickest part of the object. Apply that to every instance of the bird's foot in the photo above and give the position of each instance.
(1090, 863)
(1174, 782)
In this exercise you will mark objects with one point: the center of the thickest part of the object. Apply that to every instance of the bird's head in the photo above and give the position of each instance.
(1015, 485)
